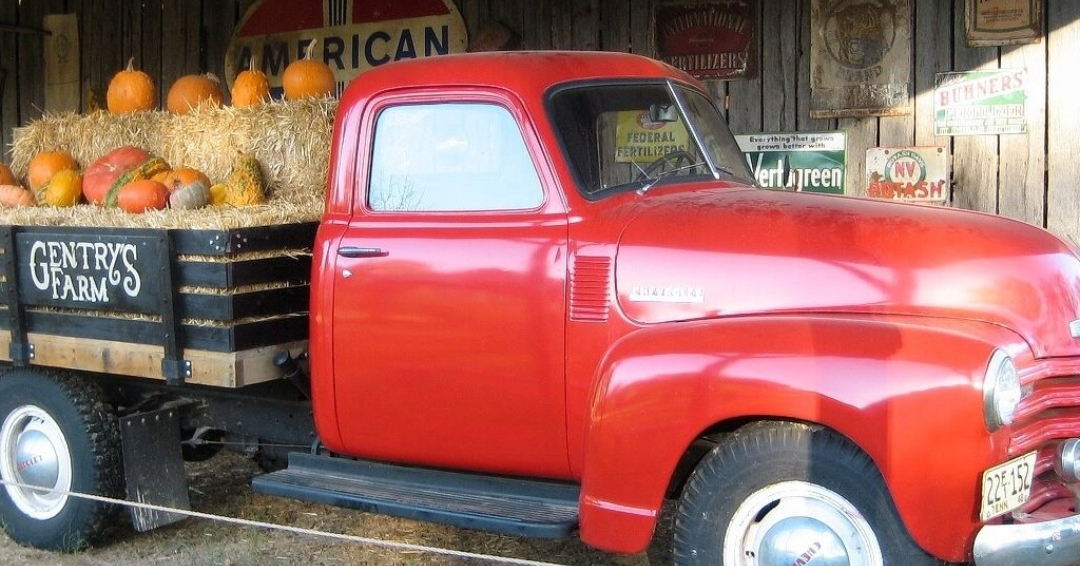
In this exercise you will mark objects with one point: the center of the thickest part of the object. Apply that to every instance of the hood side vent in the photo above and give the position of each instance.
(590, 280)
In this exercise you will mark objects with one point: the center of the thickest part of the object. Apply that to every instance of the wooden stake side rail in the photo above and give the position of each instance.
(201, 306)
(217, 369)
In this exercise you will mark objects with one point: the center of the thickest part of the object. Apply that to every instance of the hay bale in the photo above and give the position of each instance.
(291, 140)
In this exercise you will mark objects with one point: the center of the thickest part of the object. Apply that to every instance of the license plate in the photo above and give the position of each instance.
(1007, 486)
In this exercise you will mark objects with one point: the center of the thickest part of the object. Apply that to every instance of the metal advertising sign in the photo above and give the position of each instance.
(709, 40)
(353, 35)
(911, 174)
(1003, 22)
(860, 58)
(640, 140)
(980, 102)
(798, 161)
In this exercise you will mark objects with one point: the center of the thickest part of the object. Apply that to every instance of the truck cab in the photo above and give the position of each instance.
(499, 292)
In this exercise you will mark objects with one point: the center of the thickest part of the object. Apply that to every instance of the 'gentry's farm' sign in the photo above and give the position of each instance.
(353, 35)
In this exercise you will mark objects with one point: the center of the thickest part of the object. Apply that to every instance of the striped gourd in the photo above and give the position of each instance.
(145, 170)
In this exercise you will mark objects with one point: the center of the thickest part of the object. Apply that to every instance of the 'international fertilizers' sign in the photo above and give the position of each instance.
(798, 161)
(101, 272)
(353, 35)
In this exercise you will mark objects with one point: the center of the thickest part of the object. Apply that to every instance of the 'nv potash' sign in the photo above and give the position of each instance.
(912, 174)
(353, 35)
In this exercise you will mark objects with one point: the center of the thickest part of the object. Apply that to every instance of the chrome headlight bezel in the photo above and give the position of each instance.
(1002, 391)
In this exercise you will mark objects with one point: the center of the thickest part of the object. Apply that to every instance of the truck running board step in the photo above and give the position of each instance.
(490, 503)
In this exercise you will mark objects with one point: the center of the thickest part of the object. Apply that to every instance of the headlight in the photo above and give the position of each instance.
(1001, 391)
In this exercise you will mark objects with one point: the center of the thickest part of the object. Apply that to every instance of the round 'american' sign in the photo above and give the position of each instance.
(352, 35)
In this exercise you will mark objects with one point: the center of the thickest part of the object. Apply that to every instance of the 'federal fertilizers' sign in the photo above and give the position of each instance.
(913, 174)
(709, 40)
(980, 102)
(797, 161)
(640, 140)
(77, 270)
(353, 36)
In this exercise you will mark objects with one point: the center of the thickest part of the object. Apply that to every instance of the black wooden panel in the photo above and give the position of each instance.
(95, 327)
(115, 270)
(209, 338)
(270, 302)
(250, 272)
(250, 239)
(247, 335)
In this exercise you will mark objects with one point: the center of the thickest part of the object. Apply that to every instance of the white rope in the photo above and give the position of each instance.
(401, 546)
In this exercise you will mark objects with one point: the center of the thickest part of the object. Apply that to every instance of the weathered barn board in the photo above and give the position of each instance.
(1022, 157)
(778, 40)
(1013, 175)
(975, 159)
(9, 77)
(805, 122)
(933, 21)
(1062, 120)
(744, 95)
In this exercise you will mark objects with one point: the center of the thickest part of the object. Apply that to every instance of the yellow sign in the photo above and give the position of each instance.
(640, 140)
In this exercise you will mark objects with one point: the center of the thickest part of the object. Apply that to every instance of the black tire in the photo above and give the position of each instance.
(68, 427)
(782, 492)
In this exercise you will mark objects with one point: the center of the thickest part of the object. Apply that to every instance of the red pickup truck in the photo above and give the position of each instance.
(514, 327)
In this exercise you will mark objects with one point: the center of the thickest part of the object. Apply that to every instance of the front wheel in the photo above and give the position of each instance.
(58, 436)
(781, 494)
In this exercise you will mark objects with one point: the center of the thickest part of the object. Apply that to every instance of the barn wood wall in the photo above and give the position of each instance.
(1028, 177)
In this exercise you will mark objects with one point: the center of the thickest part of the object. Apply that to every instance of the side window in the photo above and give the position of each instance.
(451, 157)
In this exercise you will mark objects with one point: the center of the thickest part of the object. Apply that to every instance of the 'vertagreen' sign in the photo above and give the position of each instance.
(798, 161)
(353, 36)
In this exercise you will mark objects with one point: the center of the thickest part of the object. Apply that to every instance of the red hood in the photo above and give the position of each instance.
(740, 252)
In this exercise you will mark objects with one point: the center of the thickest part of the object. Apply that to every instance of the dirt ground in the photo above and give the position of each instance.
(220, 486)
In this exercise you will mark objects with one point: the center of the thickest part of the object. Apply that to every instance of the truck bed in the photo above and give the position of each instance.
(202, 306)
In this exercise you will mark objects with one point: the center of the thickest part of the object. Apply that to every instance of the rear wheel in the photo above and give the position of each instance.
(57, 434)
(781, 494)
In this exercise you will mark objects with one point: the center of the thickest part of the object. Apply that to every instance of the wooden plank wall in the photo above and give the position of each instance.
(1028, 176)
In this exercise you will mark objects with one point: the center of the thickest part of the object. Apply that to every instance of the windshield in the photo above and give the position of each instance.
(631, 136)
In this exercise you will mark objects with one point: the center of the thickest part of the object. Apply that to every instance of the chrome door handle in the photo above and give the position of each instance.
(354, 251)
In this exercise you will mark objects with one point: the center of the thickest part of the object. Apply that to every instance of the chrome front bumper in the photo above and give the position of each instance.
(1050, 543)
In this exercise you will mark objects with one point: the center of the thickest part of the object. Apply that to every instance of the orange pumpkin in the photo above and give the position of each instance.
(6, 176)
(142, 195)
(250, 88)
(307, 78)
(191, 91)
(14, 196)
(46, 164)
(182, 177)
(131, 90)
(101, 174)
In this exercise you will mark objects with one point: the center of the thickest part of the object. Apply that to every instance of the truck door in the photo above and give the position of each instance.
(449, 299)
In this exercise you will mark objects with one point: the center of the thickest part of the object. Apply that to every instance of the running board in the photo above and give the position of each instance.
(499, 504)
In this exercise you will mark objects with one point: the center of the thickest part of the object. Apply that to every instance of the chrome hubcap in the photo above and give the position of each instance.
(798, 524)
(33, 453)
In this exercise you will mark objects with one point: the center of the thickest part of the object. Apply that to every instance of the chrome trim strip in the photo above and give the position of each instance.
(1049, 543)
(1074, 329)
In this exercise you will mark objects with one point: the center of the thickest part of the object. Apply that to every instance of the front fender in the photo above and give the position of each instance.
(906, 390)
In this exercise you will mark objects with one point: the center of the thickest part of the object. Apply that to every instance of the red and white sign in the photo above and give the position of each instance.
(911, 174)
(353, 35)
